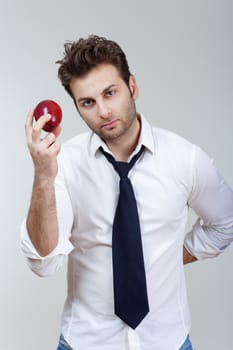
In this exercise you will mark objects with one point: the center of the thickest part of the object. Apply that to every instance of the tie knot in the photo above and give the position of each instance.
(122, 168)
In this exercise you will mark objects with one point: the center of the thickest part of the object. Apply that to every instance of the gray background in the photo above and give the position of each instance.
(181, 54)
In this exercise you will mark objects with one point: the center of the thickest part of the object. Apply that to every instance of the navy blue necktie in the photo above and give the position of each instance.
(129, 279)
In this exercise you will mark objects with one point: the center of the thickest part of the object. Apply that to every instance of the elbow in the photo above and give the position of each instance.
(39, 269)
(46, 267)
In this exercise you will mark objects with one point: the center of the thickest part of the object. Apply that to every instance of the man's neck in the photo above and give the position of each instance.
(122, 149)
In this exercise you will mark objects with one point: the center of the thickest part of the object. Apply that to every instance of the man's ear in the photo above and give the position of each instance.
(133, 87)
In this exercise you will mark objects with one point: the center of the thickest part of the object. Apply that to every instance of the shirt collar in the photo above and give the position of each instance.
(146, 138)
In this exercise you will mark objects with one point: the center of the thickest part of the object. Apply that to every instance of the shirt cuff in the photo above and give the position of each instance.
(47, 265)
(64, 246)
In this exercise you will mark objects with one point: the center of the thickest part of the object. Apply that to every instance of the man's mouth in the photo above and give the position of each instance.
(109, 125)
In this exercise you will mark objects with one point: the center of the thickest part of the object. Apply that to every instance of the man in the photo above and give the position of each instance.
(73, 209)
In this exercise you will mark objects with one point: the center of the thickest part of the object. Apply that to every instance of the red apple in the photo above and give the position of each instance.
(52, 108)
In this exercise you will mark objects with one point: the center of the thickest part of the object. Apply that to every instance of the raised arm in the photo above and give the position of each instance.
(42, 224)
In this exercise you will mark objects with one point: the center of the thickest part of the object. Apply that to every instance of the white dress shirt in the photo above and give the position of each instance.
(171, 176)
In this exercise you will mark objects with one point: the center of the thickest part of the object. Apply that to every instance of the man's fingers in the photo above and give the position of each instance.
(38, 126)
(57, 131)
(33, 129)
(28, 123)
(37, 144)
(55, 147)
(49, 139)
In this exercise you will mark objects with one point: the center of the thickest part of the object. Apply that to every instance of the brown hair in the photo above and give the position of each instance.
(83, 55)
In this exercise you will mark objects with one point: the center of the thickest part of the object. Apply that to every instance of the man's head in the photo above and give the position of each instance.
(95, 72)
(82, 56)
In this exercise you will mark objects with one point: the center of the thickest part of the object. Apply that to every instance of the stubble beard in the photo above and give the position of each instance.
(122, 128)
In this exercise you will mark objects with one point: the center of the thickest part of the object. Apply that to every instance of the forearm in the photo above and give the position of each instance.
(49, 264)
(42, 222)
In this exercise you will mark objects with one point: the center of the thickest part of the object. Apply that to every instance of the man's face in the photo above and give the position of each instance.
(106, 103)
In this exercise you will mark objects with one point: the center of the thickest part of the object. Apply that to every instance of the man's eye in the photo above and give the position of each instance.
(111, 92)
(87, 103)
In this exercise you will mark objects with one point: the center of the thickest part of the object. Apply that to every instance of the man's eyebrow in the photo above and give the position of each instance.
(103, 92)
(84, 99)
(108, 88)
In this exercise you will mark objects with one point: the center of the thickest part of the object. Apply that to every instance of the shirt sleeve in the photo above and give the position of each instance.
(212, 200)
(48, 265)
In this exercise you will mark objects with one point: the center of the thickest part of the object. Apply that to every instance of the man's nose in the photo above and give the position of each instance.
(104, 110)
